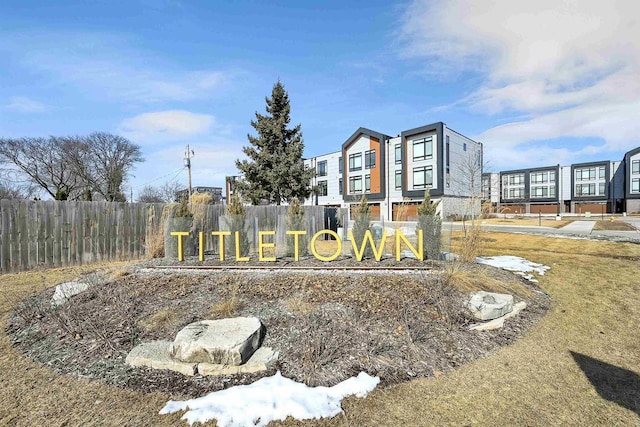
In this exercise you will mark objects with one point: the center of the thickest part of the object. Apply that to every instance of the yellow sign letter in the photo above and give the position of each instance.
(180, 234)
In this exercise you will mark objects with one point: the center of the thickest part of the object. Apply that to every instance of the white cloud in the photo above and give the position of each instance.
(571, 67)
(162, 126)
(22, 104)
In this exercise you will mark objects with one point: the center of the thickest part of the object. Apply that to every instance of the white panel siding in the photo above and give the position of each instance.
(463, 165)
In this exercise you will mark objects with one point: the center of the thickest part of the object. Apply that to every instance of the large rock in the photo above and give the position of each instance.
(222, 342)
(499, 322)
(260, 361)
(156, 355)
(66, 290)
(489, 305)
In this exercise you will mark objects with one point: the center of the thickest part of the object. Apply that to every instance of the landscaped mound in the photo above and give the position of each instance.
(327, 326)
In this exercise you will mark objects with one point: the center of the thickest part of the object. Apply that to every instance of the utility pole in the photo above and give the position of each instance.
(187, 163)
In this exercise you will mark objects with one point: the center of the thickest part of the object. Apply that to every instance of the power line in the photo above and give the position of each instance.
(163, 176)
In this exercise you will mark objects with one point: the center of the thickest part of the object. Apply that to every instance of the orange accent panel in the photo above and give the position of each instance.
(374, 144)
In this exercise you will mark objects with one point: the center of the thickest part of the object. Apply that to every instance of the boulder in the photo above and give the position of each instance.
(499, 322)
(66, 290)
(222, 342)
(489, 305)
(156, 355)
(260, 361)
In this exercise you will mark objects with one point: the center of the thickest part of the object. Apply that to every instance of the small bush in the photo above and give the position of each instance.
(295, 221)
(361, 225)
(431, 225)
(236, 221)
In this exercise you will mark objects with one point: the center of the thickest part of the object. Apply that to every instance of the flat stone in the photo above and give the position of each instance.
(66, 290)
(155, 354)
(499, 322)
(489, 305)
(221, 342)
(260, 361)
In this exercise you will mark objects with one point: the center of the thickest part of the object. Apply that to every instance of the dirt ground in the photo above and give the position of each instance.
(327, 326)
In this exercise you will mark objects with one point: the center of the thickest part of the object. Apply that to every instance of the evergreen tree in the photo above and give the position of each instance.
(431, 225)
(275, 171)
(296, 222)
(361, 225)
(236, 221)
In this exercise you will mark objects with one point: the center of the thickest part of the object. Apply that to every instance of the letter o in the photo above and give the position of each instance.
(313, 245)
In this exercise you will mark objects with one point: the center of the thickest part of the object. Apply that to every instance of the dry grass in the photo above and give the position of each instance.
(163, 319)
(298, 305)
(614, 225)
(155, 238)
(536, 381)
(458, 275)
(228, 307)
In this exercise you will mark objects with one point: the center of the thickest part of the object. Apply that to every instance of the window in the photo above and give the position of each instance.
(601, 173)
(539, 192)
(635, 166)
(601, 190)
(322, 188)
(635, 185)
(516, 193)
(422, 149)
(447, 162)
(423, 177)
(367, 183)
(340, 164)
(464, 146)
(538, 177)
(585, 189)
(355, 162)
(322, 168)
(398, 153)
(552, 177)
(340, 186)
(513, 179)
(355, 184)
(586, 174)
(398, 180)
(370, 159)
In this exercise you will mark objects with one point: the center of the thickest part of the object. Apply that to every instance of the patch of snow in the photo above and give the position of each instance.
(271, 398)
(516, 264)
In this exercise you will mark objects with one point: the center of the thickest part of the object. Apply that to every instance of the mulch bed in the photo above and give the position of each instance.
(327, 326)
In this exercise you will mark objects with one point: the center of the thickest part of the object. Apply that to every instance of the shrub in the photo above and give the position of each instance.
(236, 220)
(431, 225)
(295, 221)
(361, 225)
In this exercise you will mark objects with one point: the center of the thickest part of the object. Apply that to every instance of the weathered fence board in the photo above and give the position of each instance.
(59, 233)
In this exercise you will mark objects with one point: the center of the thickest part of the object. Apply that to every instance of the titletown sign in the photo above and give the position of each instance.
(358, 250)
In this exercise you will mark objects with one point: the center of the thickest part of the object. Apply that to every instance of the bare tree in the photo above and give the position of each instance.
(45, 162)
(17, 190)
(104, 162)
(150, 194)
(170, 190)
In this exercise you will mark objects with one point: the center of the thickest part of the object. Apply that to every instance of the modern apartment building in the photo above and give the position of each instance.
(596, 187)
(394, 172)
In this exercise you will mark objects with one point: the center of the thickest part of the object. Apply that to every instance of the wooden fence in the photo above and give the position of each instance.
(61, 233)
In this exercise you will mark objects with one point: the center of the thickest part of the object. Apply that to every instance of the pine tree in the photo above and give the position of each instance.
(296, 222)
(361, 225)
(236, 221)
(275, 171)
(431, 225)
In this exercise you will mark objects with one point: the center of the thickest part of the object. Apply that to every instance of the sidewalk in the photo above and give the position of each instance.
(578, 227)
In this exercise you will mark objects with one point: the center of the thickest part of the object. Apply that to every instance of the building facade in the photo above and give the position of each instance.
(595, 187)
(394, 172)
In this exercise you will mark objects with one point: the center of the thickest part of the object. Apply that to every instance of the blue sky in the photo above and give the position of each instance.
(539, 83)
